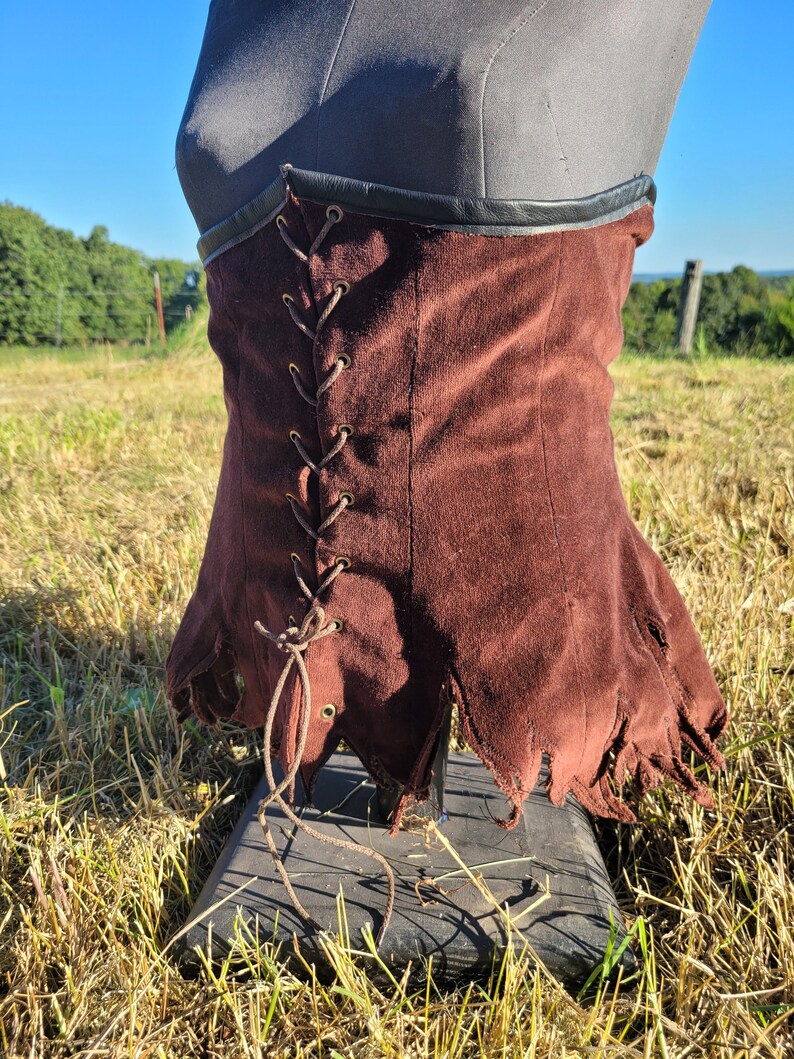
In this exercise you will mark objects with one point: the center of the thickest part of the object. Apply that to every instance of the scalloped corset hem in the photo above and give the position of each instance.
(418, 498)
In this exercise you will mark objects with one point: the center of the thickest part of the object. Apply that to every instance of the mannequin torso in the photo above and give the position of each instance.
(544, 100)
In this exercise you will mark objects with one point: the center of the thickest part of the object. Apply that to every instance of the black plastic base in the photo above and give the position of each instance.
(453, 922)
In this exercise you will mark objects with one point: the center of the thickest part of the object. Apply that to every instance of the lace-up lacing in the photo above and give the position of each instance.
(295, 640)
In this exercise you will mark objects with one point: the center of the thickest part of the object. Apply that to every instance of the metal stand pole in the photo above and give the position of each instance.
(433, 808)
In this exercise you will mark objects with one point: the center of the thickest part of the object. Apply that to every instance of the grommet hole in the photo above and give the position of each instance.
(343, 562)
(341, 285)
(345, 428)
(349, 497)
(293, 434)
(337, 624)
(295, 557)
(289, 496)
(344, 359)
(293, 368)
(335, 212)
(328, 712)
(281, 221)
(287, 299)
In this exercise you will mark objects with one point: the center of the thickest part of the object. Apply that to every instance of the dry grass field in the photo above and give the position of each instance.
(111, 816)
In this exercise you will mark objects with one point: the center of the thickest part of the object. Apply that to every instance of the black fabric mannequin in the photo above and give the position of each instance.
(547, 100)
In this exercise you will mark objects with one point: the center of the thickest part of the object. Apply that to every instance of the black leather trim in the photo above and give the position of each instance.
(481, 216)
(243, 222)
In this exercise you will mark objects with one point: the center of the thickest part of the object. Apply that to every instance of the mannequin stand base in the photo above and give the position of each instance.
(550, 850)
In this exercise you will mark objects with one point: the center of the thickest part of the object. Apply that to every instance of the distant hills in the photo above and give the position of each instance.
(651, 277)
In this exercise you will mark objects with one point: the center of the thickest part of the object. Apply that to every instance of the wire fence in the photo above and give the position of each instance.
(173, 313)
(43, 316)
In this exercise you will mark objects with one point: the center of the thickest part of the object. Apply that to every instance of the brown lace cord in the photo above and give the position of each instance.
(295, 640)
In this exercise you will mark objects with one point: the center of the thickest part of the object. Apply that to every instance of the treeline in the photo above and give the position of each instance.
(58, 288)
(740, 312)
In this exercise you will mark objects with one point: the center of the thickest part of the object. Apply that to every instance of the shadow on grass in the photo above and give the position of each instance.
(88, 742)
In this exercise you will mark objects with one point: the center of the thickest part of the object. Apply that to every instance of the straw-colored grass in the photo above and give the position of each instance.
(111, 816)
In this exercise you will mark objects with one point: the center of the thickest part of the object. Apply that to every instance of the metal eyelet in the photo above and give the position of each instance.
(289, 496)
(295, 557)
(349, 497)
(337, 624)
(328, 712)
(287, 298)
(292, 367)
(331, 210)
(341, 285)
(294, 434)
(344, 428)
(291, 620)
(345, 359)
(281, 220)
(343, 562)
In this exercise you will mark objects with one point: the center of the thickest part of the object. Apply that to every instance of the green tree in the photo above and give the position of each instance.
(55, 286)
(733, 308)
(740, 312)
(649, 315)
(121, 291)
(780, 323)
(33, 266)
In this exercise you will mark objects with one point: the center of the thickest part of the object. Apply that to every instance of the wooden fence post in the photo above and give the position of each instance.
(158, 298)
(59, 321)
(688, 305)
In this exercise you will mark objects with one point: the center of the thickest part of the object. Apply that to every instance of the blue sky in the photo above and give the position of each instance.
(92, 94)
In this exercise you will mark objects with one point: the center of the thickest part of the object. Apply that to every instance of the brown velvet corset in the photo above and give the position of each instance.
(419, 500)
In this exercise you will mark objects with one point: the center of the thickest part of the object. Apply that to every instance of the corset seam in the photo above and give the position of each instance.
(566, 599)
(528, 15)
(251, 645)
(410, 482)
